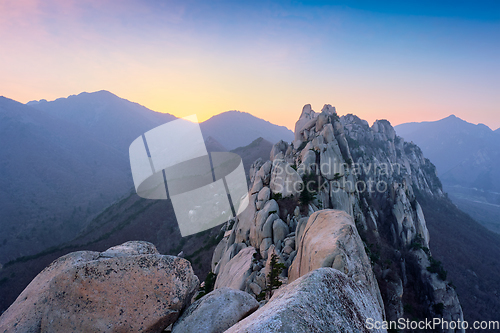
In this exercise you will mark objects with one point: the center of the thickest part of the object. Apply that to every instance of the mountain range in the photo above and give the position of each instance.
(468, 251)
(467, 157)
(64, 161)
(235, 129)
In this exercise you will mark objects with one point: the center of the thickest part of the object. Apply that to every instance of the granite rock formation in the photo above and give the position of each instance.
(128, 288)
(347, 195)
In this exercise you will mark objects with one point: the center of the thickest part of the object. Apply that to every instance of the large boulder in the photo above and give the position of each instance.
(246, 221)
(218, 253)
(128, 288)
(325, 300)
(330, 239)
(258, 229)
(280, 230)
(284, 179)
(229, 254)
(331, 161)
(216, 312)
(237, 270)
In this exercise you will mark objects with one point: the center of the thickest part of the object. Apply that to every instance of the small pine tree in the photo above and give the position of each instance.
(209, 285)
(273, 276)
(309, 190)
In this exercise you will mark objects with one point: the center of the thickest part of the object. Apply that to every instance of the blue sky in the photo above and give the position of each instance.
(399, 60)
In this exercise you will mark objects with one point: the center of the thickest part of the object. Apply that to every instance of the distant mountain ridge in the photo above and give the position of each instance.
(107, 117)
(54, 175)
(235, 129)
(232, 129)
(63, 161)
(467, 157)
(456, 146)
(259, 148)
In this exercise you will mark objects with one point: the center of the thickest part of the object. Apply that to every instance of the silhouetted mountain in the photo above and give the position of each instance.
(235, 129)
(54, 175)
(259, 148)
(214, 145)
(467, 157)
(64, 160)
(457, 146)
(105, 116)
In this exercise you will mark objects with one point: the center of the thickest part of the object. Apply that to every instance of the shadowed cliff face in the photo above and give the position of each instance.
(467, 157)
(373, 176)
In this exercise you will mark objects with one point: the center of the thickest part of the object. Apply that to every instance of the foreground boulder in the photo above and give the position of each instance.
(330, 239)
(128, 288)
(325, 300)
(216, 312)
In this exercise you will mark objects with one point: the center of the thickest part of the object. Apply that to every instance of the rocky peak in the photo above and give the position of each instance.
(328, 109)
(384, 128)
(342, 165)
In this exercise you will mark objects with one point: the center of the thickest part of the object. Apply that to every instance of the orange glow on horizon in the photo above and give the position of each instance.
(284, 113)
(176, 59)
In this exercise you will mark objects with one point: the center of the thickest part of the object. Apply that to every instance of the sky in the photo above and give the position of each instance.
(398, 60)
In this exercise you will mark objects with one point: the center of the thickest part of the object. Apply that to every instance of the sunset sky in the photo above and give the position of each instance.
(399, 60)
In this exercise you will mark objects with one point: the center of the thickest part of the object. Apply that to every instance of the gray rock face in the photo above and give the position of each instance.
(216, 312)
(218, 252)
(305, 121)
(325, 300)
(264, 172)
(260, 228)
(332, 161)
(284, 179)
(128, 288)
(280, 230)
(441, 293)
(264, 246)
(236, 271)
(232, 250)
(267, 230)
(410, 221)
(263, 196)
(128, 249)
(242, 228)
(280, 147)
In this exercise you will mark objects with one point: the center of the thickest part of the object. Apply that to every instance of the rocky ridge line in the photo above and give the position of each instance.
(376, 233)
